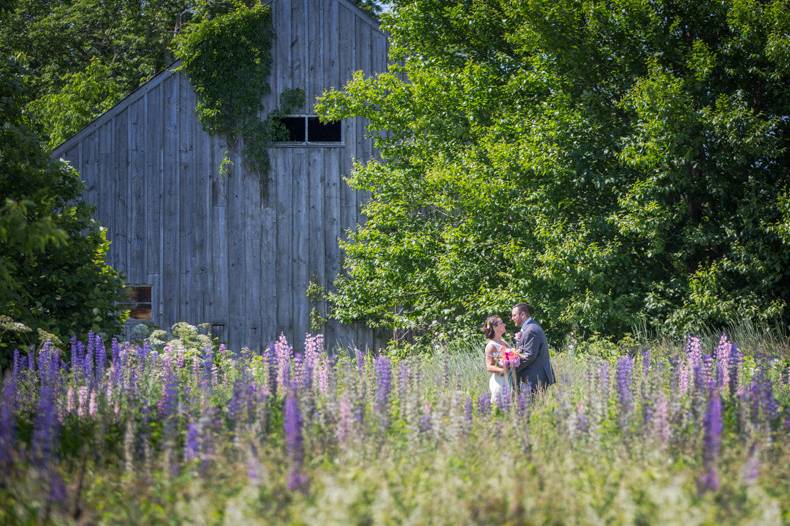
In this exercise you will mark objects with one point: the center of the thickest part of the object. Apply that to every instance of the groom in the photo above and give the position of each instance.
(535, 367)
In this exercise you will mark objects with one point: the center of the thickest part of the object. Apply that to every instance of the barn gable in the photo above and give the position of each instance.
(221, 249)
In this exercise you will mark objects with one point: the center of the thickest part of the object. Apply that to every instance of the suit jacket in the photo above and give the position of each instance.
(535, 366)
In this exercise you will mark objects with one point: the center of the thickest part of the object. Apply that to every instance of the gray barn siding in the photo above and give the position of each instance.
(221, 249)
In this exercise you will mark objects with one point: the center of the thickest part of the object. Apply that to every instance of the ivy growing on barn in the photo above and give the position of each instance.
(228, 60)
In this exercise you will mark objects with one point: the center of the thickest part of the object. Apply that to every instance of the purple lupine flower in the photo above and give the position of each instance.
(298, 370)
(484, 404)
(723, 351)
(523, 402)
(683, 376)
(344, 420)
(169, 402)
(8, 422)
(624, 396)
(117, 365)
(734, 365)
(582, 422)
(661, 420)
(694, 350)
(31, 361)
(292, 423)
(208, 363)
(425, 425)
(45, 427)
(708, 377)
(284, 352)
(101, 358)
(360, 356)
(192, 443)
(87, 362)
(383, 387)
(645, 362)
(323, 374)
(502, 398)
(712, 427)
(270, 359)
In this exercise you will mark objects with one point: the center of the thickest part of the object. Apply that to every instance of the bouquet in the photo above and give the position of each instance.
(510, 359)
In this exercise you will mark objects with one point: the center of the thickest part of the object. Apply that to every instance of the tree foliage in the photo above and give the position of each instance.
(54, 282)
(612, 162)
(80, 57)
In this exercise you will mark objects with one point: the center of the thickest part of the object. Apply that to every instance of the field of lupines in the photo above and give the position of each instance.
(117, 433)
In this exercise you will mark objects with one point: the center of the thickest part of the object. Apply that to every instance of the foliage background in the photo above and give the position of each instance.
(54, 282)
(613, 163)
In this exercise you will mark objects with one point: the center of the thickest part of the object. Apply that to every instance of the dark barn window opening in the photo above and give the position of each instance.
(138, 302)
(307, 129)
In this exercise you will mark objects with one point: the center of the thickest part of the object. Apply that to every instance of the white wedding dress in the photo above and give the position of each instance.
(498, 382)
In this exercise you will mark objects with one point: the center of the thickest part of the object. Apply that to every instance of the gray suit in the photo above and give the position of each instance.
(535, 366)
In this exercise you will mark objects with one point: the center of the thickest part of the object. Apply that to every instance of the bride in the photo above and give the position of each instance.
(496, 350)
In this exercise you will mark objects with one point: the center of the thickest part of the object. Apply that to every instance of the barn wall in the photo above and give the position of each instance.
(221, 249)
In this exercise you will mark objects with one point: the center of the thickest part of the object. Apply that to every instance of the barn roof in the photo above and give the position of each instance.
(168, 72)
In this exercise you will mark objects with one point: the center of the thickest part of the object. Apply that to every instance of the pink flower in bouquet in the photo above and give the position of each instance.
(510, 358)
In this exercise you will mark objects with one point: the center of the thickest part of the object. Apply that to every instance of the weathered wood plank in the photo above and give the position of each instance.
(170, 202)
(202, 217)
(154, 130)
(236, 272)
(218, 299)
(120, 199)
(332, 174)
(284, 245)
(316, 241)
(299, 39)
(252, 255)
(331, 68)
(300, 181)
(185, 196)
(137, 202)
(282, 38)
(315, 43)
(88, 169)
(268, 300)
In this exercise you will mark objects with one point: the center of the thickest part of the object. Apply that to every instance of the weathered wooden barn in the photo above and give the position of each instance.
(202, 247)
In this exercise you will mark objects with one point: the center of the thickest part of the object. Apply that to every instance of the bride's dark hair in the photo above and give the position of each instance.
(488, 326)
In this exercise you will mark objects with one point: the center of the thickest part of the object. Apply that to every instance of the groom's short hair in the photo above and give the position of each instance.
(526, 308)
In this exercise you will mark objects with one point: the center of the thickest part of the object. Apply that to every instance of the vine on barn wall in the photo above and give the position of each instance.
(227, 57)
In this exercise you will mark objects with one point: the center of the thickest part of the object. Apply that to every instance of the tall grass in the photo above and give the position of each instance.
(679, 433)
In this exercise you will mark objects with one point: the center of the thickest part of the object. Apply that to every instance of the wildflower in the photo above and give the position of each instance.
(712, 427)
(425, 424)
(484, 404)
(624, 396)
(8, 421)
(192, 443)
(661, 420)
(45, 426)
(344, 420)
(383, 387)
(292, 423)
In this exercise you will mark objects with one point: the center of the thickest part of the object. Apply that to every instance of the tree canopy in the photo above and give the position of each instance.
(613, 163)
(54, 282)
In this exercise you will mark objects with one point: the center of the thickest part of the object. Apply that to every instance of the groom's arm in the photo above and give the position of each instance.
(529, 348)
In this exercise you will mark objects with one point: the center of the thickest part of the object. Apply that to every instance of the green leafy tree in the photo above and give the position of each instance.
(80, 57)
(613, 163)
(54, 282)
